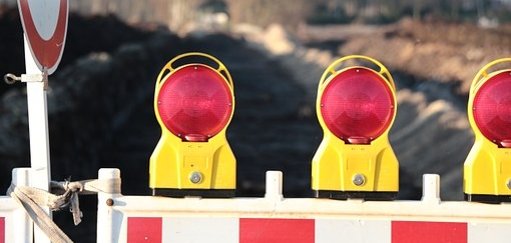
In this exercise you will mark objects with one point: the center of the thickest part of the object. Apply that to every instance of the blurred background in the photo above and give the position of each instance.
(100, 98)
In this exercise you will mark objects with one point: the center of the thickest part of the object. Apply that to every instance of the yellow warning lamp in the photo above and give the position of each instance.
(194, 104)
(356, 107)
(487, 169)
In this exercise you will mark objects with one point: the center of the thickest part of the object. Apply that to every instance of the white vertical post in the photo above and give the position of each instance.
(273, 185)
(38, 134)
(21, 221)
(107, 229)
(431, 188)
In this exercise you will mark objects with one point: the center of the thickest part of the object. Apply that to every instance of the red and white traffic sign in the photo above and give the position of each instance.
(45, 25)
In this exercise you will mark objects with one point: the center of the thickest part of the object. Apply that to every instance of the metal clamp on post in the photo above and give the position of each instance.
(25, 78)
(41, 77)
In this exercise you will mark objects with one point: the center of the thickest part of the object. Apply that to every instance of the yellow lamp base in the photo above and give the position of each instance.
(343, 195)
(207, 193)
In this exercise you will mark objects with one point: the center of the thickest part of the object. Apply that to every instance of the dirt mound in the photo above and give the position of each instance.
(434, 50)
(431, 137)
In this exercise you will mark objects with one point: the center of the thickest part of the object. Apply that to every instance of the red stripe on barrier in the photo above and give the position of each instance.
(426, 232)
(276, 230)
(146, 230)
(2, 230)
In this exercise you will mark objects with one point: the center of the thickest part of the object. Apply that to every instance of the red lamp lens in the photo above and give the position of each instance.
(357, 105)
(195, 103)
(492, 109)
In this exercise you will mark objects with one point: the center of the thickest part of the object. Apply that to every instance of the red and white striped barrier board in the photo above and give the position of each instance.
(138, 219)
(229, 230)
(264, 230)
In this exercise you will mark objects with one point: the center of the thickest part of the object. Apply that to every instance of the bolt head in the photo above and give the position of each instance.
(508, 184)
(109, 202)
(359, 179)
(195, 177)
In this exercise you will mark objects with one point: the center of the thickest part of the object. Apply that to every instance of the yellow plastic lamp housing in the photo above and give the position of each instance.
(356, 107)
(487, 169)
(194, 104)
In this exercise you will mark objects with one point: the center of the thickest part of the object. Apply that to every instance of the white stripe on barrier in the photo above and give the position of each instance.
(15, 225)
(8, 233)
(338, 230)
(186, 229)
(489, 232)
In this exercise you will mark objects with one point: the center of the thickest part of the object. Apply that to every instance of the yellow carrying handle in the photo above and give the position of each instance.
(221, 67)
(331, 70)
(483, 73)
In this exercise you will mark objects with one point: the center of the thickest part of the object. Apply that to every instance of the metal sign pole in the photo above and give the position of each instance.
(38, 132)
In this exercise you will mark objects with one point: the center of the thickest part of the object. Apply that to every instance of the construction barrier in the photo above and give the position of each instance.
(277, 219)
